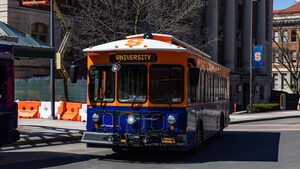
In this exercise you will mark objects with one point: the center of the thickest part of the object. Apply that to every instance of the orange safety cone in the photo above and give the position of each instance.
(234, 107)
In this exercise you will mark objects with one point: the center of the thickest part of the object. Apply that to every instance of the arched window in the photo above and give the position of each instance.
(203, 80)
(39, 31)
(208, 87)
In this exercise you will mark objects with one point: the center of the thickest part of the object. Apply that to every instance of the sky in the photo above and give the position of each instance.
(282, 4)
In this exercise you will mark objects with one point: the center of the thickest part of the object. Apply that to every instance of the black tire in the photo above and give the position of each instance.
(117, 149)
(220, 133)
(199, 139)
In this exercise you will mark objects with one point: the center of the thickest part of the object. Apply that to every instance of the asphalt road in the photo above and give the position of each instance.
(258, 145)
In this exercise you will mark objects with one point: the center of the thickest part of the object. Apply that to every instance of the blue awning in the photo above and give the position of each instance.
(24, 45)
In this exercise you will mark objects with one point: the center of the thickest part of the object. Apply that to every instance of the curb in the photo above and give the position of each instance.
(23, 141)
(263, 119)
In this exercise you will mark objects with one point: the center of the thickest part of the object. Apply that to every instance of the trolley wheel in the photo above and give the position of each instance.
(199, 139)
(117, 149)
(220, 133)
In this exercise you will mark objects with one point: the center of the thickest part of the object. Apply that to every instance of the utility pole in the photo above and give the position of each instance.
(251, 57)
(250, 38)
(52, 63)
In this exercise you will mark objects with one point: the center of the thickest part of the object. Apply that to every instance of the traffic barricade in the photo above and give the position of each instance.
(29, 109)
(83, 112)
(69, 111)
(45, 109)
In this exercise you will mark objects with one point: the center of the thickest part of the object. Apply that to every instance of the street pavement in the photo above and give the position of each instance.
(43, 131)
(249, 147)
(39, 131)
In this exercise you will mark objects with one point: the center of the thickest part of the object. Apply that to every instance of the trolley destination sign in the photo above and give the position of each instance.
(133, 57)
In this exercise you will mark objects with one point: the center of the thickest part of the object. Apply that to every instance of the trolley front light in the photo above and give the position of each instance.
(131, 120)
(95, 117)
(171, 119)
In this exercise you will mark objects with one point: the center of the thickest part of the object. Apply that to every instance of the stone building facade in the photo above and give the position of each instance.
(226, 26)
(286, 33)
(34, 21)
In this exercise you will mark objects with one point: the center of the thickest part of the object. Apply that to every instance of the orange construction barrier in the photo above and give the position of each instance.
(29, 109)
(69, 111)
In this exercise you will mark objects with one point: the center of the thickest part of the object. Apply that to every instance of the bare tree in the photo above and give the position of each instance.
(285, 56)
(101, 21)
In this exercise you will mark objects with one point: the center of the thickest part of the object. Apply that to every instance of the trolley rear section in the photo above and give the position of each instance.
(8, 108)
(153, 93)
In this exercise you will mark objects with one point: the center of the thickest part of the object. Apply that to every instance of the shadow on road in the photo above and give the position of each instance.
(51, 160)
(232, 146)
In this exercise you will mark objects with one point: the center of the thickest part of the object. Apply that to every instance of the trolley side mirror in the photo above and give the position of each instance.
(73, 73)
(194, 76)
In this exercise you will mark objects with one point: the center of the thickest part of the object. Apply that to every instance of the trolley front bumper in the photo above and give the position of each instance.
(135, 139)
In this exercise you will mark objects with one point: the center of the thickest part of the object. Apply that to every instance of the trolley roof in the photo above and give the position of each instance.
(156, 42)
(137, 44)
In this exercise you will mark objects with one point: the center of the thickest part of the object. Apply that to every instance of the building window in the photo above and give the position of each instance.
(285, 37)
(292, 81)
(294, 55)
(283, 82)
(284, 57)
(276, 36)
(275, 81)
(39, 31)
(293, 36)
(276, 55)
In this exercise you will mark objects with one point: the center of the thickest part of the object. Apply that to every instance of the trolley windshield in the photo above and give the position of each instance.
(166, 84)
(101, 85)
(132, 84)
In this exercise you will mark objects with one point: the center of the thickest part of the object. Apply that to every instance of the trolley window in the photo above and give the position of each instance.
(101, 84)
(132, 84)
(166, 84)
(3, 79)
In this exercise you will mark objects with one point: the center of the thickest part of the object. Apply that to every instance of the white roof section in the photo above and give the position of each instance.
(135, 45)
(153, 34)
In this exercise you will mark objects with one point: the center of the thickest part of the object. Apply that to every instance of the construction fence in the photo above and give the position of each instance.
(39, 90)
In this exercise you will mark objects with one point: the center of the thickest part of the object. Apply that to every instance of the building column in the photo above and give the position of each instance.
(268, 44)
(230, 34)
(246, 35)
(261, 22)
(261, 36)
(212, 16)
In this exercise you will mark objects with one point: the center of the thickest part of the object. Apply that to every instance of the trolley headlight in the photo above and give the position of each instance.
(171, 119)
(131, 120)
(95, 117)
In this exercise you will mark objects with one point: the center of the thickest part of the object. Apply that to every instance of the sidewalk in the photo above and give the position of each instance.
(36, 131)
(250, 117)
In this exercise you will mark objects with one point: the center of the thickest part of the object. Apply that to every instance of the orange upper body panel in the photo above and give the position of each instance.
(163, 57)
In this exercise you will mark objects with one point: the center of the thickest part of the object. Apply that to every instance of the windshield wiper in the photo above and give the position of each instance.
(133, 102)
(102, 99)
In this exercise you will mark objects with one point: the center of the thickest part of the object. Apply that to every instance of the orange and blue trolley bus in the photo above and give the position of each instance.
(153, 91)
(8, 108)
